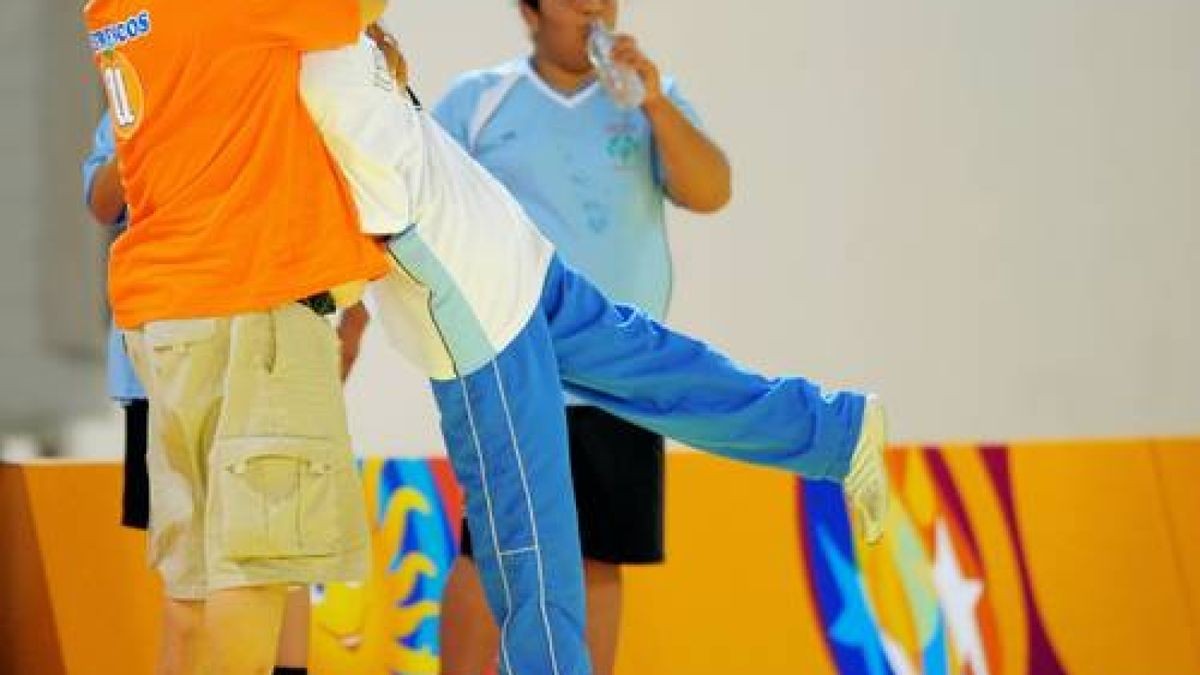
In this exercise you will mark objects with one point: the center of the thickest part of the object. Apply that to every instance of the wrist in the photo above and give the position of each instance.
(655, 103)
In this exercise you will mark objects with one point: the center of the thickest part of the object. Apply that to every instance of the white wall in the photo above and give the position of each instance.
(51, 319)
(988, 212)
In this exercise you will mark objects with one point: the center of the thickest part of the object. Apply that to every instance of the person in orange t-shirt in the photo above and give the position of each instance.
(241, 233)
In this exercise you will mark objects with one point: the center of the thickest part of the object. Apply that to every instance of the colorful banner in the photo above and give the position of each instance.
(1035, 559)
(389, 624)
(1031, 559)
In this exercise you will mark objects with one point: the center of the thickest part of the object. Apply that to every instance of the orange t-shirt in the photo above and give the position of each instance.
(234, 203)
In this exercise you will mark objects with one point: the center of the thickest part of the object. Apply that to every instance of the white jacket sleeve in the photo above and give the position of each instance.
(370, 128)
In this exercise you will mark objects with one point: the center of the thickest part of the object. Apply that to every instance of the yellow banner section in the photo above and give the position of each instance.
(1040, 558)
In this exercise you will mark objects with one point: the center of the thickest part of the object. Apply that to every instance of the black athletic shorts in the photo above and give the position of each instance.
(617, 469)
(135, 495)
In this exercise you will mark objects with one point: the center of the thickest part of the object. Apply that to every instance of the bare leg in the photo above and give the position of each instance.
(180, 649)
(293, 638)
(469, 637)
(241, 628)
(603, 628)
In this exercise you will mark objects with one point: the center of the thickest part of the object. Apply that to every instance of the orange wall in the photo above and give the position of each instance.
(76, 573)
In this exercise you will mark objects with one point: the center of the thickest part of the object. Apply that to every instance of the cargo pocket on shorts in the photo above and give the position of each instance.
(279, 497)
(177, 334)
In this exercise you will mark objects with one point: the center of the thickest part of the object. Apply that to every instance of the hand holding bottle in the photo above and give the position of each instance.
(629, 76)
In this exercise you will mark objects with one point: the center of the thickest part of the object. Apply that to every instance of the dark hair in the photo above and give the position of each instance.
(531, 4)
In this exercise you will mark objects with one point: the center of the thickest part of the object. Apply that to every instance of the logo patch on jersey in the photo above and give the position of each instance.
(123, 87)
(122, 32)
(624, 144)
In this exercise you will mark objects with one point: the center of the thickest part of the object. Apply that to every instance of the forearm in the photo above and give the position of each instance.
(350, 330)
(698, 176)
(107, 198)
(353, 323)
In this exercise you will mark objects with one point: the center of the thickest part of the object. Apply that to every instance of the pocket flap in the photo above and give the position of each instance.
(318, 455)
(177, 332)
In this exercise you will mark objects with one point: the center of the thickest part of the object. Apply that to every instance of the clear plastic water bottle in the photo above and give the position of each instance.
(623, 84)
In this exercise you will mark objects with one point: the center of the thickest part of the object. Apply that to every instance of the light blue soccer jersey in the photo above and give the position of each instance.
(585, 171)
(123, 384)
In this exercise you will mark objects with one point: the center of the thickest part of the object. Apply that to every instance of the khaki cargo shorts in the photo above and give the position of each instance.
(252, 480)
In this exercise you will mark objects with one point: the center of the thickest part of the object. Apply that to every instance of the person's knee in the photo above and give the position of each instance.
(242, 628)
(599, 573)
(183, 622)
(182, 637)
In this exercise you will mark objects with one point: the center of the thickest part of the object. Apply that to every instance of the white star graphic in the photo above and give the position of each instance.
(897, 657)
(958, 596)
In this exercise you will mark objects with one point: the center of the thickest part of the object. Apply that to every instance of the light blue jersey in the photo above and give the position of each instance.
(585, 171)
(123, 384)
